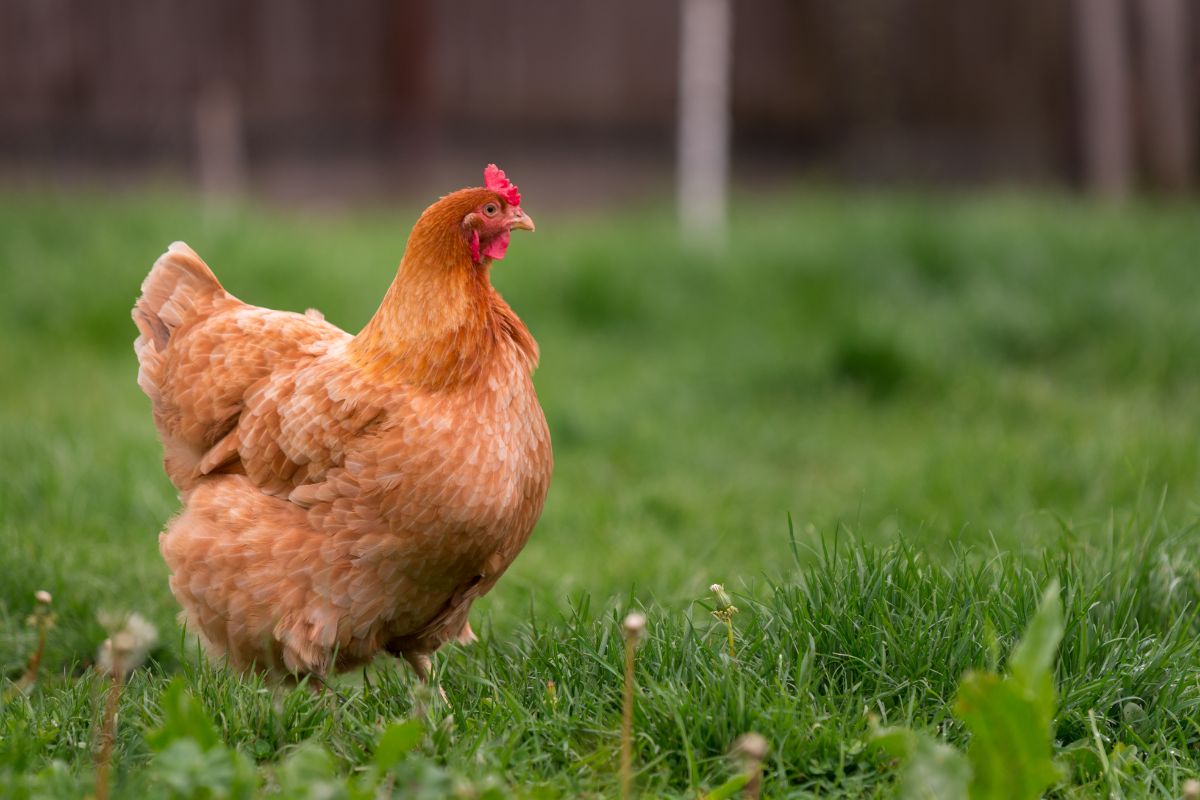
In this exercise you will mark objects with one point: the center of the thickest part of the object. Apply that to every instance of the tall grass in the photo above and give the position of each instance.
(959, 400)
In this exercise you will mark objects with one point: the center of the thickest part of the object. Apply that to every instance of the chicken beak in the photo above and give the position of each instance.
(520, 221)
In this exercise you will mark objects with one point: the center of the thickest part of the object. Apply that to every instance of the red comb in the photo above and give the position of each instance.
(494, 179)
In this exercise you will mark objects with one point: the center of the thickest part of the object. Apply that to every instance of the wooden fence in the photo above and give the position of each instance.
(1021, 88)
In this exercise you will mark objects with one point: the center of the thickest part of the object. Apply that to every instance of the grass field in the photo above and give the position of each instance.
(957, 399)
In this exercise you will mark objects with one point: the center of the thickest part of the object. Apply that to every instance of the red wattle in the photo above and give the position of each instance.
(496, 247)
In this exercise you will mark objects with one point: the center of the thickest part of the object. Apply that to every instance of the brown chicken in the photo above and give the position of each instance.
(345, 494)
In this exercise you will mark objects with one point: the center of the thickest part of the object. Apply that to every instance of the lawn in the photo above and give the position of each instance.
(956, 400)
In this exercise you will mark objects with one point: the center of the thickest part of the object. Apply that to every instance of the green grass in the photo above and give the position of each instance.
(957, 400)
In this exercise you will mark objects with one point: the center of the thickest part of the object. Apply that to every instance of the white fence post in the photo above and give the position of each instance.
(1106, 125)
(702, 179)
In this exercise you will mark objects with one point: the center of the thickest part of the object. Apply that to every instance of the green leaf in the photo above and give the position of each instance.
(1010, 756)
(933, 770)
(309, 773)
(1081, 760)
(729, 788)
(1011, 718)
(183, 718)
(245, 777)
(1011, 751)
(397, 741)
(187, 771)
(1031, 664)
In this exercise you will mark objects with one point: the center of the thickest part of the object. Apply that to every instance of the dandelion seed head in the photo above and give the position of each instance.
(752, 746)
(723, 598)
(131, 639)
(634, 624)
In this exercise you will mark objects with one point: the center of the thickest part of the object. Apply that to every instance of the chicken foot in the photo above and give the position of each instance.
(422, 664)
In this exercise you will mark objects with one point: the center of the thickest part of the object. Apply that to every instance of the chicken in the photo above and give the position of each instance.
(345, 495)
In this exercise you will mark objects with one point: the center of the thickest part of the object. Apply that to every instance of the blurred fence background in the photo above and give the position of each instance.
(376, 95)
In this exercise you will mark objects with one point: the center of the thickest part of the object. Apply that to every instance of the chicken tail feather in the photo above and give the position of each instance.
(179, 289)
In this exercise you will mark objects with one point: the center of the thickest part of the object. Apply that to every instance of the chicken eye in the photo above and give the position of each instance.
(491, 209)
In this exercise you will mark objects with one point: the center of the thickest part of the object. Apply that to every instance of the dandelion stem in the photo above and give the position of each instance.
(108, 733)
(35, 661)
(121, 652)
(43, 619)
(627, 726)
(633, 627)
